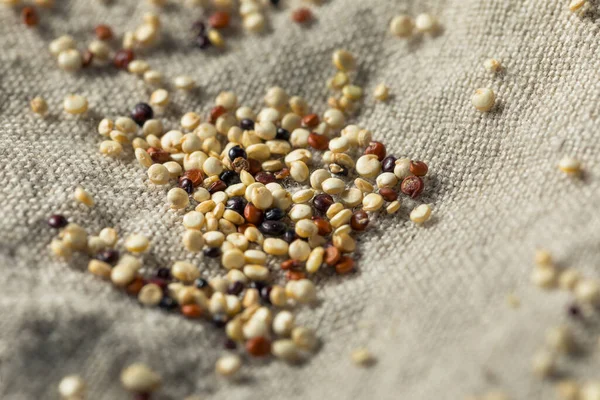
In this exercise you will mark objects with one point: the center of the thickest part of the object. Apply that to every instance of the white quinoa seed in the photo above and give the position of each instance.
(184, 82)
(99, 49)
(193, 240)
(185, 271)
(304, 338)
(492, 65)
(283, 323)
(344, 60)
(137, 243)
(159, 174)
(362, 357)
(72, 387)
(160, 97)
(75, 104)
(576, 5)
(122, 275)
(425, 23)
(100, 268)
(228, 365)
(543, 364)
(483, 99)
(299, 250)
(401, 26)
(109, 236)
(254, 22)
(233, 259)
(83, 197)
(315, 260)
(381, 92)
(139, 378)
(178, 198)
(393, 207)
(39, 106)
(276, 247)
(368, 166)
(372, 202)
(150, 295)
(351, 197)
(138, 67)
(569, 165)
(61, 43)
(70, 60)
(420, 214)
(153, 77)
(285, 349)
(402, 168)
(256, 272)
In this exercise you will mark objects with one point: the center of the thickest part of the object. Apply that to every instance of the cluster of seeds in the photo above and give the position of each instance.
(560, 340)
(251, 188)
(405, 26)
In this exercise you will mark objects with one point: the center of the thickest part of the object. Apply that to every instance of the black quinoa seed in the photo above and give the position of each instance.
(57, 221)
(141, 113)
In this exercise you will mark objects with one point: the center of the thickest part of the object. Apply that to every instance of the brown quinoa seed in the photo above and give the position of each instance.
(284, 173)
(158, 155)
(103, 32)
(310, 121)
(359, 220)
(412, 186)
(290, 264)
(123, 57)
(323, 226)
(258, 346)
(30, 16)
(219, 20)
(217, 186)
(318, 142)
(240, 164)
(253, 214)
(215, 113)
(301, 15)
(345, 265)
(134, 287)
(194, 175)
(254, 166)
(191, 310)
(376, 148)
(418, 168)
(295, 275)
(332, 256)
(87, 59)
(388, 194)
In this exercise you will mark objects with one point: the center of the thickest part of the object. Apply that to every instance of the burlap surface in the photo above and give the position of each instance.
(429, 302)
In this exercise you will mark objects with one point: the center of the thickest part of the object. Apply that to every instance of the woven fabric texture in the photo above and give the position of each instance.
(429, 302)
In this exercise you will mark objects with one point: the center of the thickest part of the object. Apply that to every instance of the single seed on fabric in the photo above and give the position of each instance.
(141, 113)
(136, 243)
(576, 5)
(139, 378)
(70, 60)
(492, 65)
(254, 22)
(425, 23)
(83, 197)
(302, 15)
(39, 106)
(57, 221)
(401, 26)
(569, 165)
(122, 58)
(420, 214)
(543, 364)
(100, 269)
(184, 82)
(362, 357)
(75, 104)
(483, 99)
(344, 60)
(72, 387)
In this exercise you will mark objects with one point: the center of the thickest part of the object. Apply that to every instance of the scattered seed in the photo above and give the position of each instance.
(483, 99)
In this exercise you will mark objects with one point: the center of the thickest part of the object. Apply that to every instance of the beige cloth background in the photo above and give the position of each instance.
(428, 302)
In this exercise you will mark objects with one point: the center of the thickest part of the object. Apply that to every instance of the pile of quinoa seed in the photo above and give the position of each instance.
(276, 196)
